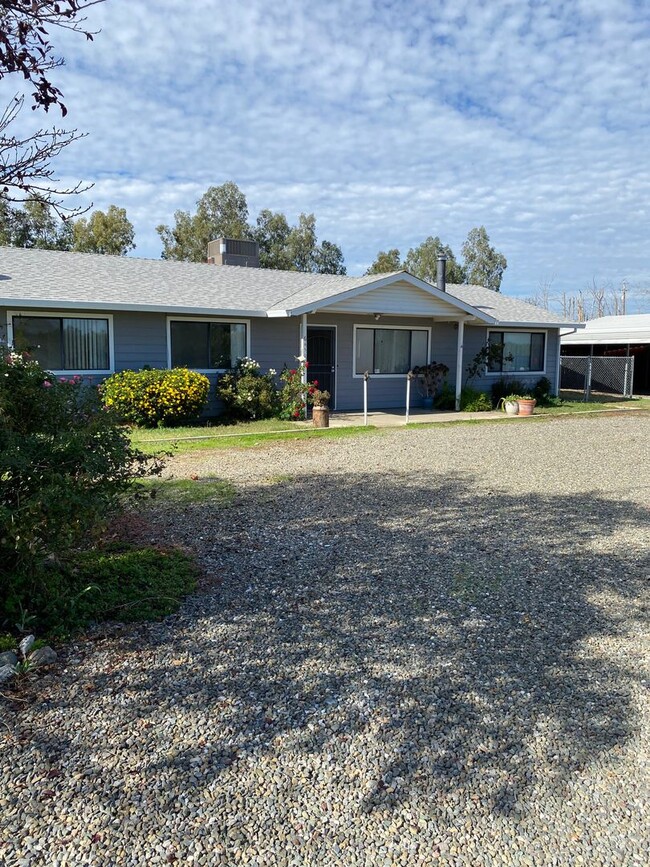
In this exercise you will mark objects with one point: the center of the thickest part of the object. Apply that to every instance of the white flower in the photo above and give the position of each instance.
(272, 371)
(300, 358)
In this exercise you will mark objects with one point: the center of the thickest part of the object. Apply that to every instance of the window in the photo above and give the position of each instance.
(64, 343)
(206, 345)
(523, 351)
(390, 350)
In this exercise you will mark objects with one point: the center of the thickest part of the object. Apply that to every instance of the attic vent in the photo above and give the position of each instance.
(234, 251)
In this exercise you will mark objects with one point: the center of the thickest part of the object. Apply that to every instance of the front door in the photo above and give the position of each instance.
(321, 355)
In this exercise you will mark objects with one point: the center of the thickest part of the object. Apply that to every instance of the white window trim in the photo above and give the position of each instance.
(375, 327)
(517, 373)
(204, 319)
(64, 314)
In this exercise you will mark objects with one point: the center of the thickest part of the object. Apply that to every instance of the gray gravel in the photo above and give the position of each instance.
(421, 647)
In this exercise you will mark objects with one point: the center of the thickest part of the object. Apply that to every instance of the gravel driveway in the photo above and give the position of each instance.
(421, 647)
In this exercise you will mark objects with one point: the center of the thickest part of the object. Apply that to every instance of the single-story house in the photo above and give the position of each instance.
(615, 336)
(93, 315)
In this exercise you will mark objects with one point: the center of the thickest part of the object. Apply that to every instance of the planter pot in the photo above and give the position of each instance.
(427, 402)
(321, 416)
(511, 407)
(526, 406)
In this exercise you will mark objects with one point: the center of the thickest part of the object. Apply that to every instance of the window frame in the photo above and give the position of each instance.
(204, 320)
(515, 373)
(64, 314)
(387, 327)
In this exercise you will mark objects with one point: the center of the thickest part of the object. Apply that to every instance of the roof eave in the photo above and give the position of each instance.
(522, 324)
(48, 304)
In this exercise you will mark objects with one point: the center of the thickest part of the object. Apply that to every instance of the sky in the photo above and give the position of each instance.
(390, 121)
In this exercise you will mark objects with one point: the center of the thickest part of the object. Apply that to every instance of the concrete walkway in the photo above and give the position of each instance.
(394, 418)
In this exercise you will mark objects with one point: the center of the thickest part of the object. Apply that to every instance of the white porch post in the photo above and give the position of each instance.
(459, 361)
(558, 359)
(303, 343)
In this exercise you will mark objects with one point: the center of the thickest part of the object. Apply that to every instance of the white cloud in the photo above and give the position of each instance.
(390, 122)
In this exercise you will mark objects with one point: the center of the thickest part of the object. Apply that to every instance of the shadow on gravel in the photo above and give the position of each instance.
(420, 637)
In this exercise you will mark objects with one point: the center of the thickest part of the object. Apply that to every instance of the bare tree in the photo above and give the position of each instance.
(25, 161)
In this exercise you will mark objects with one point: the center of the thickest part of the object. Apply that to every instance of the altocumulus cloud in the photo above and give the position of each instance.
(390, 120)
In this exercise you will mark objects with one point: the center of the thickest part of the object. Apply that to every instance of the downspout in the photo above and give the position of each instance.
(459, 362)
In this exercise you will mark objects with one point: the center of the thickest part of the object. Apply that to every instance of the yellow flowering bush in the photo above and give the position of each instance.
(151, 398)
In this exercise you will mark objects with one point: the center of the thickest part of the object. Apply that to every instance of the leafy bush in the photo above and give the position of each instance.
(446, 399)
(293, 393)
(151, 398)
(247, 393)
(503, 387)
(64, 464)
(542, 392)
(472, 400)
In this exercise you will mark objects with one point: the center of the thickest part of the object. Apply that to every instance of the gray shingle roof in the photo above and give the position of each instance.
(84, 280)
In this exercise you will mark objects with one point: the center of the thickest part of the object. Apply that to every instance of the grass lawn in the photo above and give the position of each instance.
(242, 435)
(571, 402)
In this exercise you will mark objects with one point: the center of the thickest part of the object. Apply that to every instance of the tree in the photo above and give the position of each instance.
(221, 212)
(483, 265)
(34, 225)
(386, 262)
(328, 259)
(422, 261)
(305, 254)
(26, 172)
(110, 233)
(272, 234)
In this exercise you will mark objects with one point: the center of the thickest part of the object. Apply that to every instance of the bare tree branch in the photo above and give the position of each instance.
(24, 42)
(26, 173)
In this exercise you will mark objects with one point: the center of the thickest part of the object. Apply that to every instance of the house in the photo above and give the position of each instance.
(93, 315)
(613, 337)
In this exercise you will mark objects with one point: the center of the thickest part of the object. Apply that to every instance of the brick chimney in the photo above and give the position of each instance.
(232, 251)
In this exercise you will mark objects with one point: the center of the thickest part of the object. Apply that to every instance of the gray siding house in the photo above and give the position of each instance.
(93, 315)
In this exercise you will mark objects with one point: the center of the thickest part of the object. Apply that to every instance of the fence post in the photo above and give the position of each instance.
(588, 381)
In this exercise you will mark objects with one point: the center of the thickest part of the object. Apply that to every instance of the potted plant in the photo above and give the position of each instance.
(321, 410)
(526, 404)
(509, 404)
(430, 377)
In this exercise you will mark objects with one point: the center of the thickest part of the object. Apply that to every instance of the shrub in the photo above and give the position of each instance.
(64, 464)
(542, 391)
(503, 387)
(447, 397)
(472, 400)
(150, 398)
(293, 393)
(247, 393)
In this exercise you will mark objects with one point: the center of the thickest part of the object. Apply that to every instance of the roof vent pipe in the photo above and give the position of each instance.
(441, 280)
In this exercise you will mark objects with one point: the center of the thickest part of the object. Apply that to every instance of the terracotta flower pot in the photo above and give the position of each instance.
(526, 406)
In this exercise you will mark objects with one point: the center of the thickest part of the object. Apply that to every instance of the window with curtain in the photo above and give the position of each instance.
(390, 350)
(207, 345)
(521, 351)
(64, 343)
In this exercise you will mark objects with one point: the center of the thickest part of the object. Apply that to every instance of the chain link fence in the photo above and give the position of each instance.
(587, 373)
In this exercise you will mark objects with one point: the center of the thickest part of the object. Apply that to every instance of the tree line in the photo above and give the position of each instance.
(481, 265)
(222, 212)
